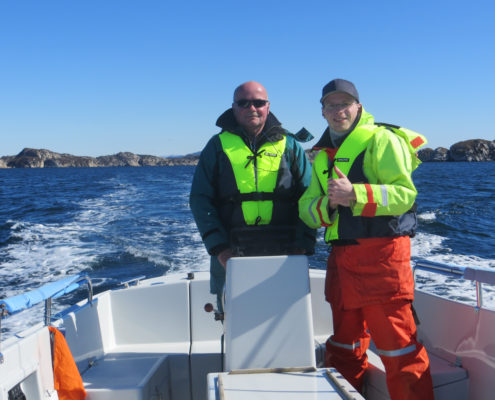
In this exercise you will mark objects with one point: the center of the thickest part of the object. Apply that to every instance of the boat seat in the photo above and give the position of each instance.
(450, 382)
(136, 354)
(127, 376)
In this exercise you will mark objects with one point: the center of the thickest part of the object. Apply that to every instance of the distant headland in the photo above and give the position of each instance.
(41, 158)
(468, 150)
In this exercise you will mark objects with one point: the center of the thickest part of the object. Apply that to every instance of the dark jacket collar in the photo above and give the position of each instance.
(272, 130)
(324, 141)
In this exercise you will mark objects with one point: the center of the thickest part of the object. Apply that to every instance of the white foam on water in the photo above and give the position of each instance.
(186, 250)
(192, 254)
(432, 248)
(43, 252)
(48, 252)
(424, 245)
(427, 216)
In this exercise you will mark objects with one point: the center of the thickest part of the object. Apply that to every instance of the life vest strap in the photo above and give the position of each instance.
(258, 196)
(266, 240)
(252, 158)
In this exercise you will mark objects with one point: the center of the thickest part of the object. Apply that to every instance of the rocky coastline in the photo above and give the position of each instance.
(41, 158)
(469, 150)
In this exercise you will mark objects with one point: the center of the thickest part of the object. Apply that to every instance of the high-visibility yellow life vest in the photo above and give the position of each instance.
(255, 175)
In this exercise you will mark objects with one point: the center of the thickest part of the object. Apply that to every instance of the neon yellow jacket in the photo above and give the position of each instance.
(378, 159)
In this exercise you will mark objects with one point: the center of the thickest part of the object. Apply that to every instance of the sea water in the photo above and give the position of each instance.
(115, 224)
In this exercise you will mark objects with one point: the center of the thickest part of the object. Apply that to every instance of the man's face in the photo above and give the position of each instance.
(340, 110)
(251, 117)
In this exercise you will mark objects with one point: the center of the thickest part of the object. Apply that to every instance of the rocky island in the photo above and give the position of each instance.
(41, 158)
(468, 150)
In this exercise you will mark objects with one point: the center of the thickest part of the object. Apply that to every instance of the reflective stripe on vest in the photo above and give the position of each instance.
(353, 145)
(255, 175)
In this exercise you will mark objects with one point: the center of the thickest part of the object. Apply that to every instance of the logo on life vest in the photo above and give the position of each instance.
(342, 159)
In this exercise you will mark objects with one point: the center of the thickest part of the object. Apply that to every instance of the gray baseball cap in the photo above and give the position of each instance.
(339, 86)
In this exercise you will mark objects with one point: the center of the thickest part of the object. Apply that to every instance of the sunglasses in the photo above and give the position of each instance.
(337, 107)
(257, 103)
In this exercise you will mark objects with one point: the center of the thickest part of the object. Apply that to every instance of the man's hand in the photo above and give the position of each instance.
(340, 190)
(224, 256)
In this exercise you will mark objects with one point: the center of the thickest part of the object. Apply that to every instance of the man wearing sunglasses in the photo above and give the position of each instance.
(246, 186)
(362, 192)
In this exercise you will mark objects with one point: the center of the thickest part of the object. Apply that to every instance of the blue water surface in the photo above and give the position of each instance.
(118, 223)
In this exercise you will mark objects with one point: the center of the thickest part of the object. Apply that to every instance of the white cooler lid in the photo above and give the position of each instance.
(321, 384)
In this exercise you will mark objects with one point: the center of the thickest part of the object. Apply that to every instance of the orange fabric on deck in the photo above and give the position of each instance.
(67, 380)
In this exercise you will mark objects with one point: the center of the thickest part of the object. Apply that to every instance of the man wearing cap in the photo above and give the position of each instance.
(246, 186)
(362, 192)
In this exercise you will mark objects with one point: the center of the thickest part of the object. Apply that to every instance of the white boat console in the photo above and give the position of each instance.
(270, 347)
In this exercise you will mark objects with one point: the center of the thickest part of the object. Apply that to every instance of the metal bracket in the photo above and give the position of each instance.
(479, 295)
(458, 361)
(48, 302)
(134, 281)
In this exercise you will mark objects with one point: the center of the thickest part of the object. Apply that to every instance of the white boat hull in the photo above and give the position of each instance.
(155, 341)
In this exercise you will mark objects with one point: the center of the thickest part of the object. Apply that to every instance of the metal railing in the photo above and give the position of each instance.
(478, 275)
(79, 282)
(47, 293)
(132, 281)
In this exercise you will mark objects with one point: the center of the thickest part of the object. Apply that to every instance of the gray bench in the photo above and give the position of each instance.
(450, 382)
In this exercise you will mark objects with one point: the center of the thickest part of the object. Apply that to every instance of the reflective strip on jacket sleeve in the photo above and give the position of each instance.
(313, 204)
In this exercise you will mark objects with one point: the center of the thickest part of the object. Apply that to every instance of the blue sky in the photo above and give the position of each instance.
(95, 77)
